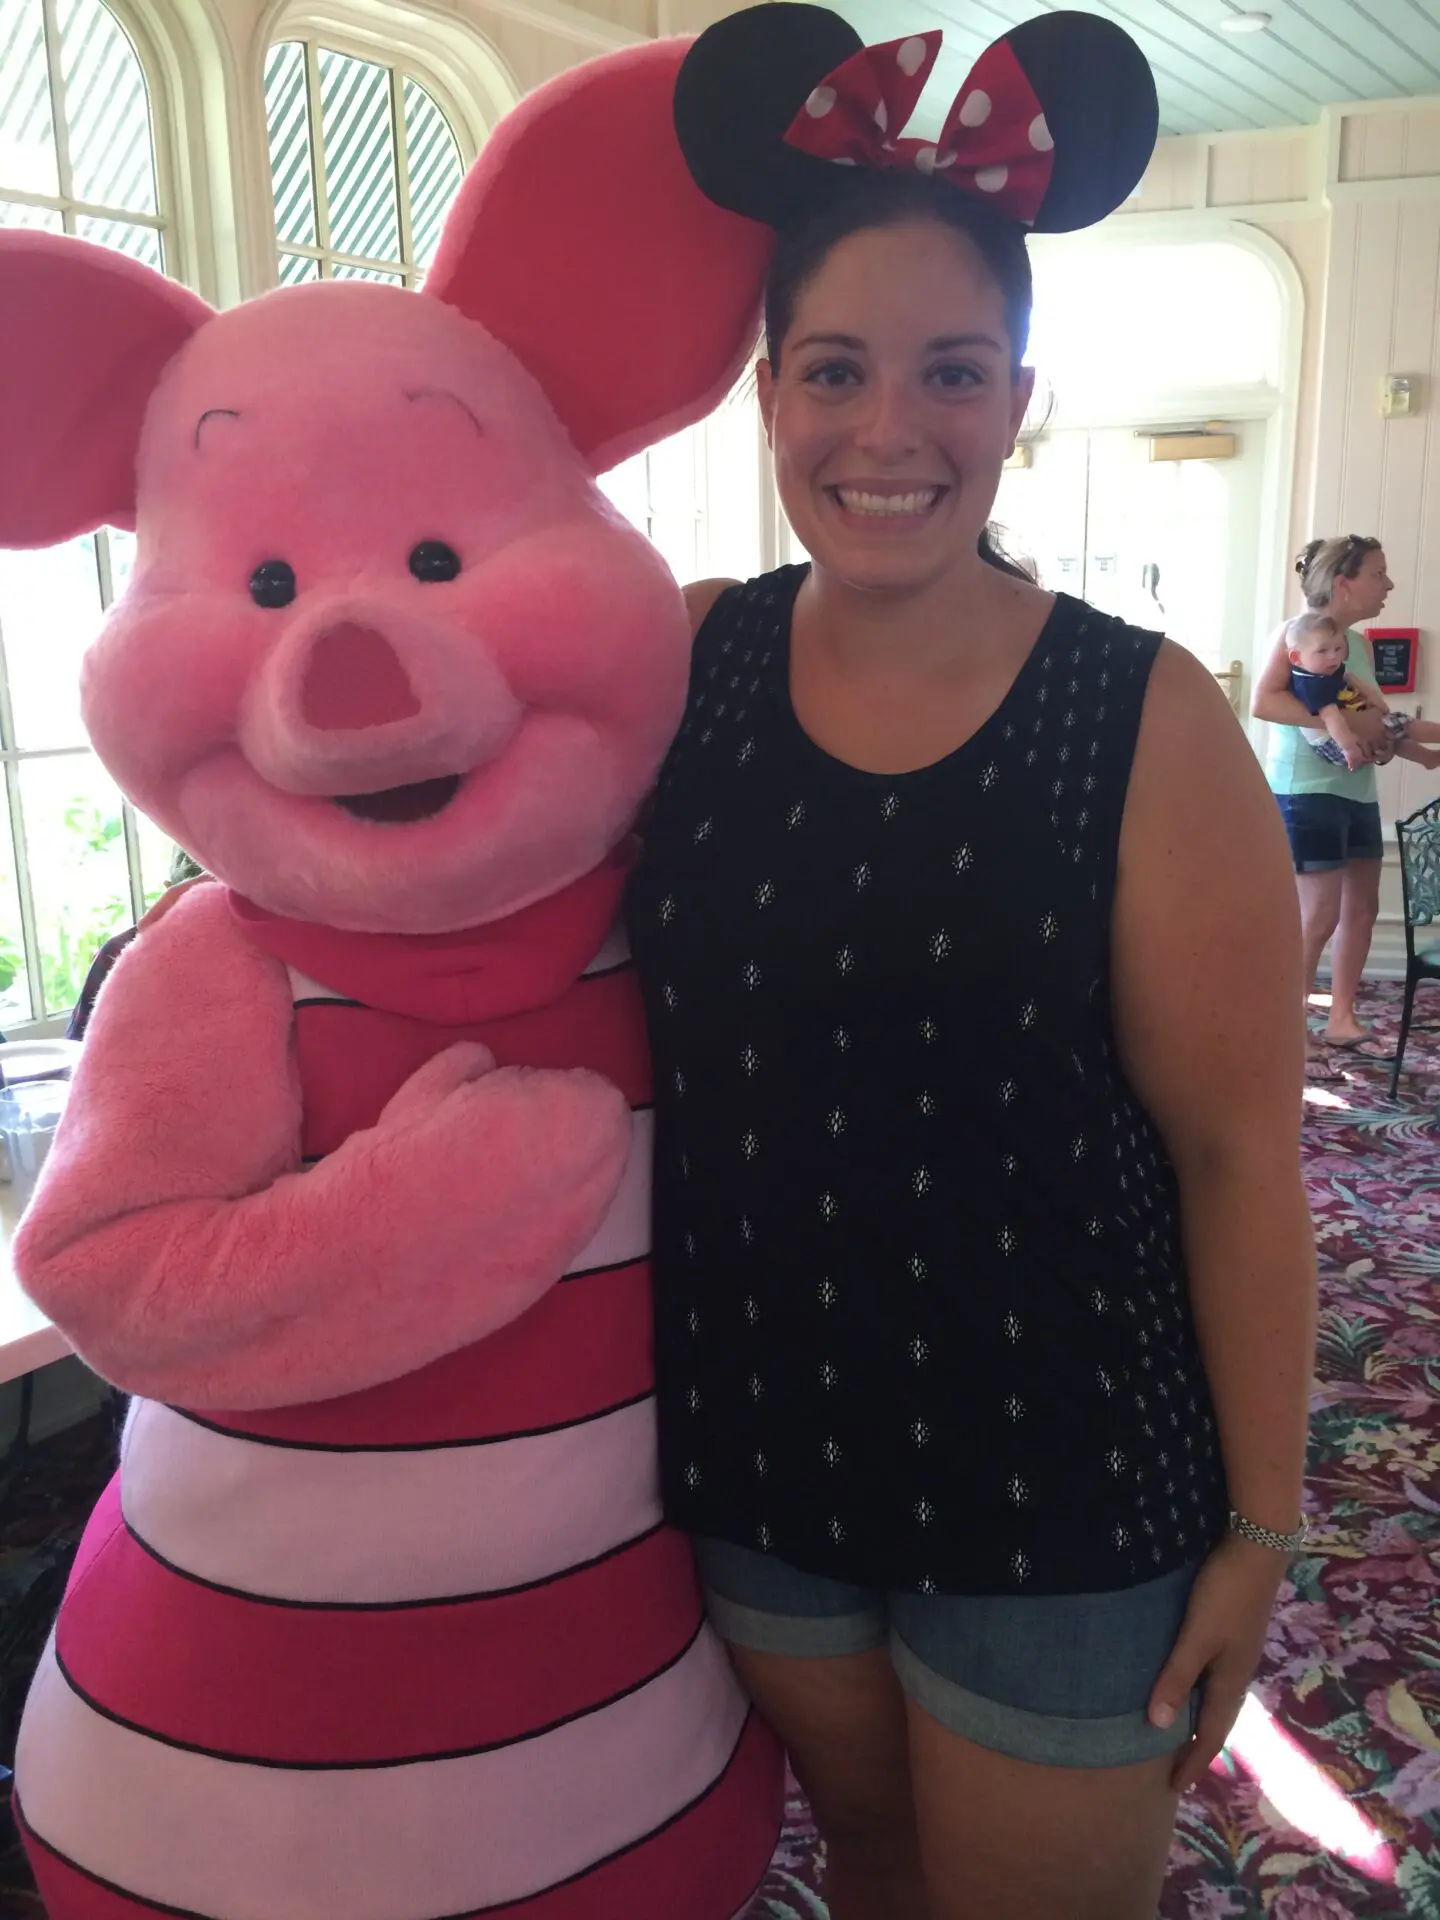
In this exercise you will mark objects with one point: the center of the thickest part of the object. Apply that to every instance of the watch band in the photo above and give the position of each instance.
(1267, 1537)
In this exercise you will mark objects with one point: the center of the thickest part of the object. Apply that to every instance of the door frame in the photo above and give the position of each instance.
(1276, 408)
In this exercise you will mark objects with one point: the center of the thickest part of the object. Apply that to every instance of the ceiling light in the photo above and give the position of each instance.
(1245, 23)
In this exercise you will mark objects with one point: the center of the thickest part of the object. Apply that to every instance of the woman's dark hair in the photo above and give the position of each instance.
(890, 200)
(1321, 562)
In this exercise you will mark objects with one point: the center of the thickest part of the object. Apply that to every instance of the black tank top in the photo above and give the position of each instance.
(921, 1310)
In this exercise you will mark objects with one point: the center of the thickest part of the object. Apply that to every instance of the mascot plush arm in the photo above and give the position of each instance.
(190, 1258)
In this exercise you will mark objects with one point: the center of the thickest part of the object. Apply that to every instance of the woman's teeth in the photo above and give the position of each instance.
(920, 501)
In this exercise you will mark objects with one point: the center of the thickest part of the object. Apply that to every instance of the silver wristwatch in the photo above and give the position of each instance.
(1267, 1537)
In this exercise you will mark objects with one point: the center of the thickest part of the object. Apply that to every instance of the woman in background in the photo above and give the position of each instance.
(1332, 815)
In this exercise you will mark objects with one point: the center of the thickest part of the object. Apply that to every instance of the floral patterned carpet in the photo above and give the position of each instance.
(1327, 1804)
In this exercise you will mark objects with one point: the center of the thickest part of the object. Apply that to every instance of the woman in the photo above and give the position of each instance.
(984, 1272)
(1331, 813)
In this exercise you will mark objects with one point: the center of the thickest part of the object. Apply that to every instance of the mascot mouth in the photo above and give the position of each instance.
(396, 806)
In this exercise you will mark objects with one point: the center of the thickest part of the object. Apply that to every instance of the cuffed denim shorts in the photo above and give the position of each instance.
(1328, 830)
(1062, 1680)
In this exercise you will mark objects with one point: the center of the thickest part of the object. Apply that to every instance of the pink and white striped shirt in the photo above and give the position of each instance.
(420, 1652)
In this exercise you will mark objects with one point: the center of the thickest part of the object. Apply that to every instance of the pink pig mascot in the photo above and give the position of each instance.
(379, 1620)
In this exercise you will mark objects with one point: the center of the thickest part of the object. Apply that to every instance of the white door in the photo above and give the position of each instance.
(1166, 544)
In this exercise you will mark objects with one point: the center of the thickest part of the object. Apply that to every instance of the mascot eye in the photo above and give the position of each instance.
(433, 560)
(272, 584)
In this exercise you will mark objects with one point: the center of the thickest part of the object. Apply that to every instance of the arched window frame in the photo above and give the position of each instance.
(176, 255)
(414, 42)
(65, 201)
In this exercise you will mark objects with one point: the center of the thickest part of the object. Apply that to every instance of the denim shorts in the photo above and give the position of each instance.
(1062, 1680)
(1326, 830)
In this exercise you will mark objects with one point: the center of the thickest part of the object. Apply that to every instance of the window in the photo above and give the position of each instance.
(77, 155)
(363, 164)
(697, 495)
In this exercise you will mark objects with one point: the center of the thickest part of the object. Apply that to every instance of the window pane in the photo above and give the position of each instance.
(14, 985)
(359, 157)
(288, 118)
(628, 488)
(14, 213)
(49, 614)
(122, 558)
(141, 243)
(341, 272)
(676, 476)
(27, 134)
(157, 850)
(731, 441)
(297, 267)
(107, 109)
(78, 874)
(433, 169)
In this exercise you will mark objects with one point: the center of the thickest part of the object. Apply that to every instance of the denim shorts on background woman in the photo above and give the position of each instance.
(1059, 1679)
(1326, 830)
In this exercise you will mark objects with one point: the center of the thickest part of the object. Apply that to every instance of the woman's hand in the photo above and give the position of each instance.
(1219, 1648)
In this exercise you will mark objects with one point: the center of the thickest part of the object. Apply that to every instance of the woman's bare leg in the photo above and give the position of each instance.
(1320, 896)
(842, 1721)
(1006, 1839)
(1359, 904)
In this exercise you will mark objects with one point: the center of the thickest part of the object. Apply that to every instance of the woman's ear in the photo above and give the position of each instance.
(765, 384)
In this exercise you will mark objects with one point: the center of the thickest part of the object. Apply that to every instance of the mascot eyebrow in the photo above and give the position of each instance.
(444, 393)
(213, 413)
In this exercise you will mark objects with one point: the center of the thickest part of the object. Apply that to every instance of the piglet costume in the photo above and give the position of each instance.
(379, 1620)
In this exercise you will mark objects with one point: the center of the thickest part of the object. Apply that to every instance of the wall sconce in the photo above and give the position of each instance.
(1399, 396)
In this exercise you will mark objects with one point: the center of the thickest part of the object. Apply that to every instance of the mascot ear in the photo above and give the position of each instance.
(85, 334)
(580, 240)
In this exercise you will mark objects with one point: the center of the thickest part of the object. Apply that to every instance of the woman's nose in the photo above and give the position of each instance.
(889, 424)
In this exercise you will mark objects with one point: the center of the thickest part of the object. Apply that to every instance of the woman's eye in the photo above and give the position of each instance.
(832, 374)
(955, 377)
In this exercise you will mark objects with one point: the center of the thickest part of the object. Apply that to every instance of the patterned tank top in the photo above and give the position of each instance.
(922, 1313)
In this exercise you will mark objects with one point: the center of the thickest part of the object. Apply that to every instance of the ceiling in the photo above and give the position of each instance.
(1314, 52)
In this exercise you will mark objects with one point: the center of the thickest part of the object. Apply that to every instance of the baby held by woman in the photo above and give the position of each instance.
(1355, 720)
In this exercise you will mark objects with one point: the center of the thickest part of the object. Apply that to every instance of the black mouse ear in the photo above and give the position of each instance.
(1098, 96)
(738, 90)
(746, 81)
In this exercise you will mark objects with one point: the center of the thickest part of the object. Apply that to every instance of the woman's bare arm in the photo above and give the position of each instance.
(1207, 996)
(1208, 1019)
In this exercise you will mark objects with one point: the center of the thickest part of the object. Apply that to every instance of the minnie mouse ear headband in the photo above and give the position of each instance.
(1054, 127)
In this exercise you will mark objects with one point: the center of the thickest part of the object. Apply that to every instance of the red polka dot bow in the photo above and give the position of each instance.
(994, 142)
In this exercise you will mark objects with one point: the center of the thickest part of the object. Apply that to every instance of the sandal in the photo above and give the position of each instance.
(1365, 1046)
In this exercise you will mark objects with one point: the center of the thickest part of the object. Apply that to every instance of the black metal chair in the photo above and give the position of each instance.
(1419, 838)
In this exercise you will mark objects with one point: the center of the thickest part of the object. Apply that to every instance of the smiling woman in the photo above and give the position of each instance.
(972, 1336)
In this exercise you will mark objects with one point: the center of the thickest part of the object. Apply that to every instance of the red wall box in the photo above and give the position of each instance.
(1396, 653)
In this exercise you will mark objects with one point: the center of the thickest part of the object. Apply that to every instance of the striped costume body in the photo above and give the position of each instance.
(420, 1652)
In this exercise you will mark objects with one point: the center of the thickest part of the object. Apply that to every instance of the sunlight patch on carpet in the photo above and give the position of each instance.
(1303, 1794)
(1325, 1097)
